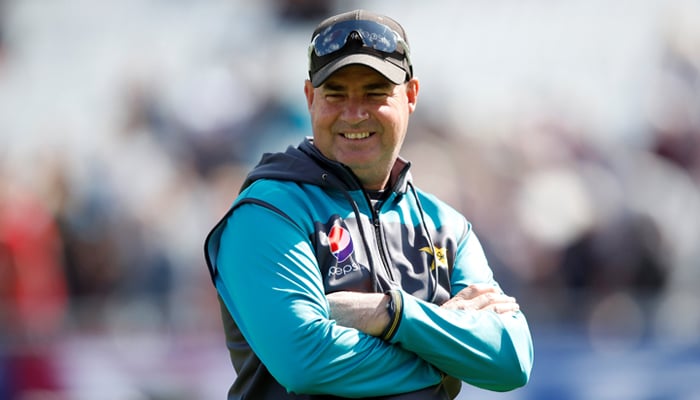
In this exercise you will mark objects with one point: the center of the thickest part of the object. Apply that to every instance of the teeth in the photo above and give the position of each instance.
(356, 135)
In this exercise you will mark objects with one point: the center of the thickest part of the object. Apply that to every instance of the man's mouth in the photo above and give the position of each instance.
(356, 135)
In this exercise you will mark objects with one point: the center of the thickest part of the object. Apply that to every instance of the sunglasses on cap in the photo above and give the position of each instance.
(373, 34)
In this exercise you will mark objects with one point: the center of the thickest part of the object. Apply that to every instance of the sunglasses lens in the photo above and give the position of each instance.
(373, 34)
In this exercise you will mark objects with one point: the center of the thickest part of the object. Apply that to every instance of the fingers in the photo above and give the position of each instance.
(482, 297)
(475, 290)
(503, 308)
(496, 302)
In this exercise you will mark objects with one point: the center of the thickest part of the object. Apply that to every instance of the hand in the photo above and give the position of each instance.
(482, 297)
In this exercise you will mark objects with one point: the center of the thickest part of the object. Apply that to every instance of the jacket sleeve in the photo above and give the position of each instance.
(488, 350)
(268, 277)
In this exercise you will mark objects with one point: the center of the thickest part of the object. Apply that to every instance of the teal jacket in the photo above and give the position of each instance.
(303, 227)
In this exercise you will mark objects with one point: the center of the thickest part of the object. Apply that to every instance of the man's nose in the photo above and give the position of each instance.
(355, 111)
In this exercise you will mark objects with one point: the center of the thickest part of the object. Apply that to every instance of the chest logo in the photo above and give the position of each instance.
(440, 256)
(340, 243)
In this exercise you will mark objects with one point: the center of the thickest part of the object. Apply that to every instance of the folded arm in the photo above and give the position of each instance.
(479, 335)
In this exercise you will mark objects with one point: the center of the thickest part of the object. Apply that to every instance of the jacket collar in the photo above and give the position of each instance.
(399, 179)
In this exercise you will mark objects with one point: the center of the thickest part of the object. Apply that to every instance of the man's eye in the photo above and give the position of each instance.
(377, 94)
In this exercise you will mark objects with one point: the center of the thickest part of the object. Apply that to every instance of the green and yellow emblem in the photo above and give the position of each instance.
(440, 255)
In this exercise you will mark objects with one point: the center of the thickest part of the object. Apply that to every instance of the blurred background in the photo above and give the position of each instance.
(567, 131)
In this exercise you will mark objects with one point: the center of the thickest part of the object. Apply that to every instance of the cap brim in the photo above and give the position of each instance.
(391, 71)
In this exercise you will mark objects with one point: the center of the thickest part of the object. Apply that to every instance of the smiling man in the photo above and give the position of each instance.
(338, 278)
(359, 118)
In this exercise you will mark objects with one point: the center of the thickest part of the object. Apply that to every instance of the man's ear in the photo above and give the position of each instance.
(309, 93)
(412, 88)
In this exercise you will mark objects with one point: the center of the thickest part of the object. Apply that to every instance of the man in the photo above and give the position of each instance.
(338, 277)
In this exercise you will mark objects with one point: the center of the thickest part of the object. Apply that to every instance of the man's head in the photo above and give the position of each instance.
(359, 37)
(361, 93)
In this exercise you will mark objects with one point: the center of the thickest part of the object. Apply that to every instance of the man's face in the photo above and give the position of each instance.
(360, 118)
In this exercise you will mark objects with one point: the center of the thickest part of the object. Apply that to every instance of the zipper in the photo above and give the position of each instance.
(378, 237)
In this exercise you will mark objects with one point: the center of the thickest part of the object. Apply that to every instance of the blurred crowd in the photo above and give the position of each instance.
(102, 220)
